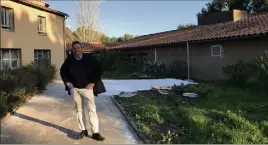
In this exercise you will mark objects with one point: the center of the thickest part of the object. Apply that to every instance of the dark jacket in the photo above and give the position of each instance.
(93, 63)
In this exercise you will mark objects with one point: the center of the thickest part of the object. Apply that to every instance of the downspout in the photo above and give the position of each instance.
(188, 60)
(155, 56)
(64, 36)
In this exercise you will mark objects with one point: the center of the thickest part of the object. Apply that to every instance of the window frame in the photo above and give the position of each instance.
(10, 58)
(133, 59)
(143, 57)
(36, 59)
(39, 25)
(212, 51)
(4, 18)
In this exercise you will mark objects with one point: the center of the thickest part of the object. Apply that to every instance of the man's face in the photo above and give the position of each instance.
(77, 49)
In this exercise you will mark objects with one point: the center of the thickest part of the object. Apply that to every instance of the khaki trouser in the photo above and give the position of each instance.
(79, 95)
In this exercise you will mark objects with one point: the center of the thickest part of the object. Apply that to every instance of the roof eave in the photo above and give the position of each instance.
(41, 8)
(194, 41)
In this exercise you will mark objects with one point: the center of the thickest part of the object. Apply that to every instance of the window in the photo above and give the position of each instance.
(7, 17)
(40, 55)
(216, 51)
(133, 59)
(143, 57)
(41, 25)
(9, 58)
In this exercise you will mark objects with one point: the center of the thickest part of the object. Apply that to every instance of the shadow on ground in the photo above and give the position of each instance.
(70, 133)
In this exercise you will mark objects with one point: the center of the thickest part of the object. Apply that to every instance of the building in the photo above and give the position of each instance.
(218, 40)
(93, 47)
(31, 31)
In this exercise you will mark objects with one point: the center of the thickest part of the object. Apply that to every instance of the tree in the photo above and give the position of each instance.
(127, 37)
(251, 6)
(184, 26)
(259, 6)
(87, 16)
(69, 35)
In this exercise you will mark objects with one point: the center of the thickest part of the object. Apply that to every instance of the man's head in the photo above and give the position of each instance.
(76, 48)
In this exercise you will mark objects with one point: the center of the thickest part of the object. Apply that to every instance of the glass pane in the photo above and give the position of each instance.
(14, 54)
(3, 16)
(216, 51)
(6, 64)
(7, 17)
(39, 54)
(14, 63)
(46, 55)
(5, 54)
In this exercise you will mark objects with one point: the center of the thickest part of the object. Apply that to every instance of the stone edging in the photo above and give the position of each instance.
(15, 108)
(129, 121)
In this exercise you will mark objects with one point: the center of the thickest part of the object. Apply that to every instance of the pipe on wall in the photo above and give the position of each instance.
(188, 60)
(64, 36)
(155, 56)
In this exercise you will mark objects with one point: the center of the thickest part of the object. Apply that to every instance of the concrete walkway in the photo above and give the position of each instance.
(50, 118)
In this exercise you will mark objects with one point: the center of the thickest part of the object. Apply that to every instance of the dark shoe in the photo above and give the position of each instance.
(82, 134)
(97, 136)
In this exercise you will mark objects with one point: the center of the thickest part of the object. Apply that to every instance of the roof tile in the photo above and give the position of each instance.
(250, 25)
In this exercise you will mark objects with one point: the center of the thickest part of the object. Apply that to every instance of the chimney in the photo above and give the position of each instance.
(238, 14)
(223, 16)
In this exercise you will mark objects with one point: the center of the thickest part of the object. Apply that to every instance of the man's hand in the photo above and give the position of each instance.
(70, 85)
(90, 86)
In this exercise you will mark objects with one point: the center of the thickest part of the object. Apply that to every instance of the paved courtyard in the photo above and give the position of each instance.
(50, 118)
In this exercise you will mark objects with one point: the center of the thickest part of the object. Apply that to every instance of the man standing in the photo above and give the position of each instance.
(80, 73)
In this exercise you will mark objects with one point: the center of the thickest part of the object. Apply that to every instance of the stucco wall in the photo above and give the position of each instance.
(26, 37)
(207, 67)
(203, 65)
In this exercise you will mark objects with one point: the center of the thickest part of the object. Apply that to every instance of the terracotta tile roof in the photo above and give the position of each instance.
(38, 6)
(94, 46)
(252, 25)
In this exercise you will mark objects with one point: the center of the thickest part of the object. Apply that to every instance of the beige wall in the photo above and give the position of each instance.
(203, 65)
(26, 37)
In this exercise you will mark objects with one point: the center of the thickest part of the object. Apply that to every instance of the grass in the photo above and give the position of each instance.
(222, 114)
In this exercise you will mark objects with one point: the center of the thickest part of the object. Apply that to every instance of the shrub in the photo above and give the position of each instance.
(156, 69)
(178, 69)
(3, 105)
(238, 73)
(15, 84)
(43, 71)
(200, 89)
(260, 65)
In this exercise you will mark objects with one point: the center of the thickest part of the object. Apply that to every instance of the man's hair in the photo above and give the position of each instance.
(76, 42)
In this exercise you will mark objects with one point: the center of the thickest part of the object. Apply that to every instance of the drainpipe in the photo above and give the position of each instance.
(64, 36)
(188, 61)
(155, 59)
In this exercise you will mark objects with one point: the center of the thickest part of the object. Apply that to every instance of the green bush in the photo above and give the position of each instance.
(155, 69)
(178, 69)
(261, 68)
(15, 84)
(200, 89)
(3, 105)
(44, 72)
(238, 73)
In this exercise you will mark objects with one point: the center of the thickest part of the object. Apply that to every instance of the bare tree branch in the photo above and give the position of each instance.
(87, 17)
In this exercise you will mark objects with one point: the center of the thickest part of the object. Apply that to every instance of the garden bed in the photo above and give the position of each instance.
(221, 114)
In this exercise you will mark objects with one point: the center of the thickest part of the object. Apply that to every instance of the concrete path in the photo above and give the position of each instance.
(50, 118)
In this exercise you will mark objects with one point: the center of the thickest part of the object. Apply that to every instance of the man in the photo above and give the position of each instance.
(80, 73)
